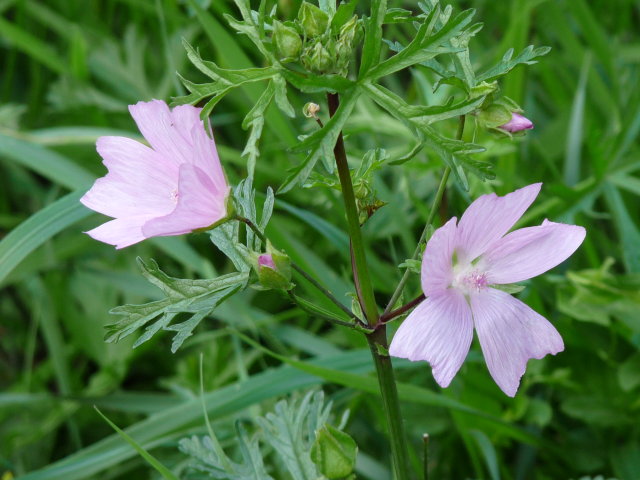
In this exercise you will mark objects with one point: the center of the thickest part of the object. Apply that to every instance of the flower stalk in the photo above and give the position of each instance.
(378, 338)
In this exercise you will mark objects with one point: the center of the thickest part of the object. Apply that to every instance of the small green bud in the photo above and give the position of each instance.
(317, 59)
(334, 453)
(273, 268)
(314, 21)
(286, 41)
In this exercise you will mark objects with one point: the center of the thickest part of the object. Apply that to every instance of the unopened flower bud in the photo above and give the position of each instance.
(317, 59)
(313, 20)
(517, 123)
(310, 110)
(287, 41)
(266, 260)
(274, 269)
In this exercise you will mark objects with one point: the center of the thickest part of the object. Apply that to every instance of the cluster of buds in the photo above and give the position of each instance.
(319, 42)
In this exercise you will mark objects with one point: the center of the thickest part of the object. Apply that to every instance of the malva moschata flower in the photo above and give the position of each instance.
(517, 123)
(173, 187)
(463, 266)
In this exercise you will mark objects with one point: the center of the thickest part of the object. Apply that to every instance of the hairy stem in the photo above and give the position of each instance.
(378, 338)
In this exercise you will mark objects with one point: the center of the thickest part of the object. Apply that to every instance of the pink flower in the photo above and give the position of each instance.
(461, 265)
(174, 187)
(517, 123)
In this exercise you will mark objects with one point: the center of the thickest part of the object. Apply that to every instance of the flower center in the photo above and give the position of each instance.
(469, 278)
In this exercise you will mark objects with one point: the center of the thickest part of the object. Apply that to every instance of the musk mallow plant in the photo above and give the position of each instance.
(337, 58)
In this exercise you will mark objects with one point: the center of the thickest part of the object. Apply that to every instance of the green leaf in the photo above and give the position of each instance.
(205, 457)
(312, 83)
(38, 229)
(343, 14)
(281, 96)
(322, 139)
(527, 57)
(628, 231)
(372, 37)
(150, 459)
(45, 162)
(455, 153)
(199, 297)
(426, 44)
(290, 430)
(255, 120)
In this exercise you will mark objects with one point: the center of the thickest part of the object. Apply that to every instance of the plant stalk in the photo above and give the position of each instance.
(432, 214)
(378, 338)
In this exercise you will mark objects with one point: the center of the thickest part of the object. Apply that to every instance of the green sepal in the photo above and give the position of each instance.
(334, 453)
(278, 278)
(494, 115)
(510, 288)
(286, 41)
(314, 22)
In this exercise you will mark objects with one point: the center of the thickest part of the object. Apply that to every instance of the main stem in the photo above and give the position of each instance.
(378, 338)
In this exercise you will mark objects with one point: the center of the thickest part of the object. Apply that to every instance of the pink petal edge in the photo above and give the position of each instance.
(439, 331)
(510, 334)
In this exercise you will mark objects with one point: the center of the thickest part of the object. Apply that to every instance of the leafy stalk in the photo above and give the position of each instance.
(378, 338)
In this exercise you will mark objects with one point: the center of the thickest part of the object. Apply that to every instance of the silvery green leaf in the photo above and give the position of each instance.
(198, 297)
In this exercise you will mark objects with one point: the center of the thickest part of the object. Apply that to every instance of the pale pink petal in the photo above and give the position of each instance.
(120, 232)
(528, 252)
(164, 134)
(125, 191)
(489, 218)
(437, 268)
(439, 331)
(199, 204)
(517, 123)
(510, 333)
(206, 156)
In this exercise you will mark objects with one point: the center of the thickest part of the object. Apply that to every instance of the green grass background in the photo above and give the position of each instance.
(68, 70)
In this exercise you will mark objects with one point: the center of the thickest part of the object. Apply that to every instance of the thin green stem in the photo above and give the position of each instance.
(399, 311)
(360, 268)
(299, 269)
(378, 338)
(432, 214)
(390, 401)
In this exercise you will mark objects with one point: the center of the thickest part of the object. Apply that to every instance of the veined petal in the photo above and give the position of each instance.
(439, 331)
(138, 182)
(168, 133)
(510, 333)
(199, 205)
(120, 232)
(528, 252)
(489, 217)
(437, 268)
(206, 156)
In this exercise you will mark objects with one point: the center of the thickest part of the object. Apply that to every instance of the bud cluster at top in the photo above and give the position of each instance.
(320, 42)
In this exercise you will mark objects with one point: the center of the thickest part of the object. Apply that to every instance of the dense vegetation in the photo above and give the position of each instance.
(69, 70)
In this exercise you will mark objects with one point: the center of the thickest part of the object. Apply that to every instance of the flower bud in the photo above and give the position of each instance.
(310, 110)
(317, 59)
(274, 269)
(344, 47)
(517, 123)
(314, 21)
(287, 41)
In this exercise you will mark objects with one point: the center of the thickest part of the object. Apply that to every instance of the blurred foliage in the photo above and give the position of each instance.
(69, 70)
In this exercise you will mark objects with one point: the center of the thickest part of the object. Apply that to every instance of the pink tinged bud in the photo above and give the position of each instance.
(173, 187)
(266, 260)
(517, 123)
